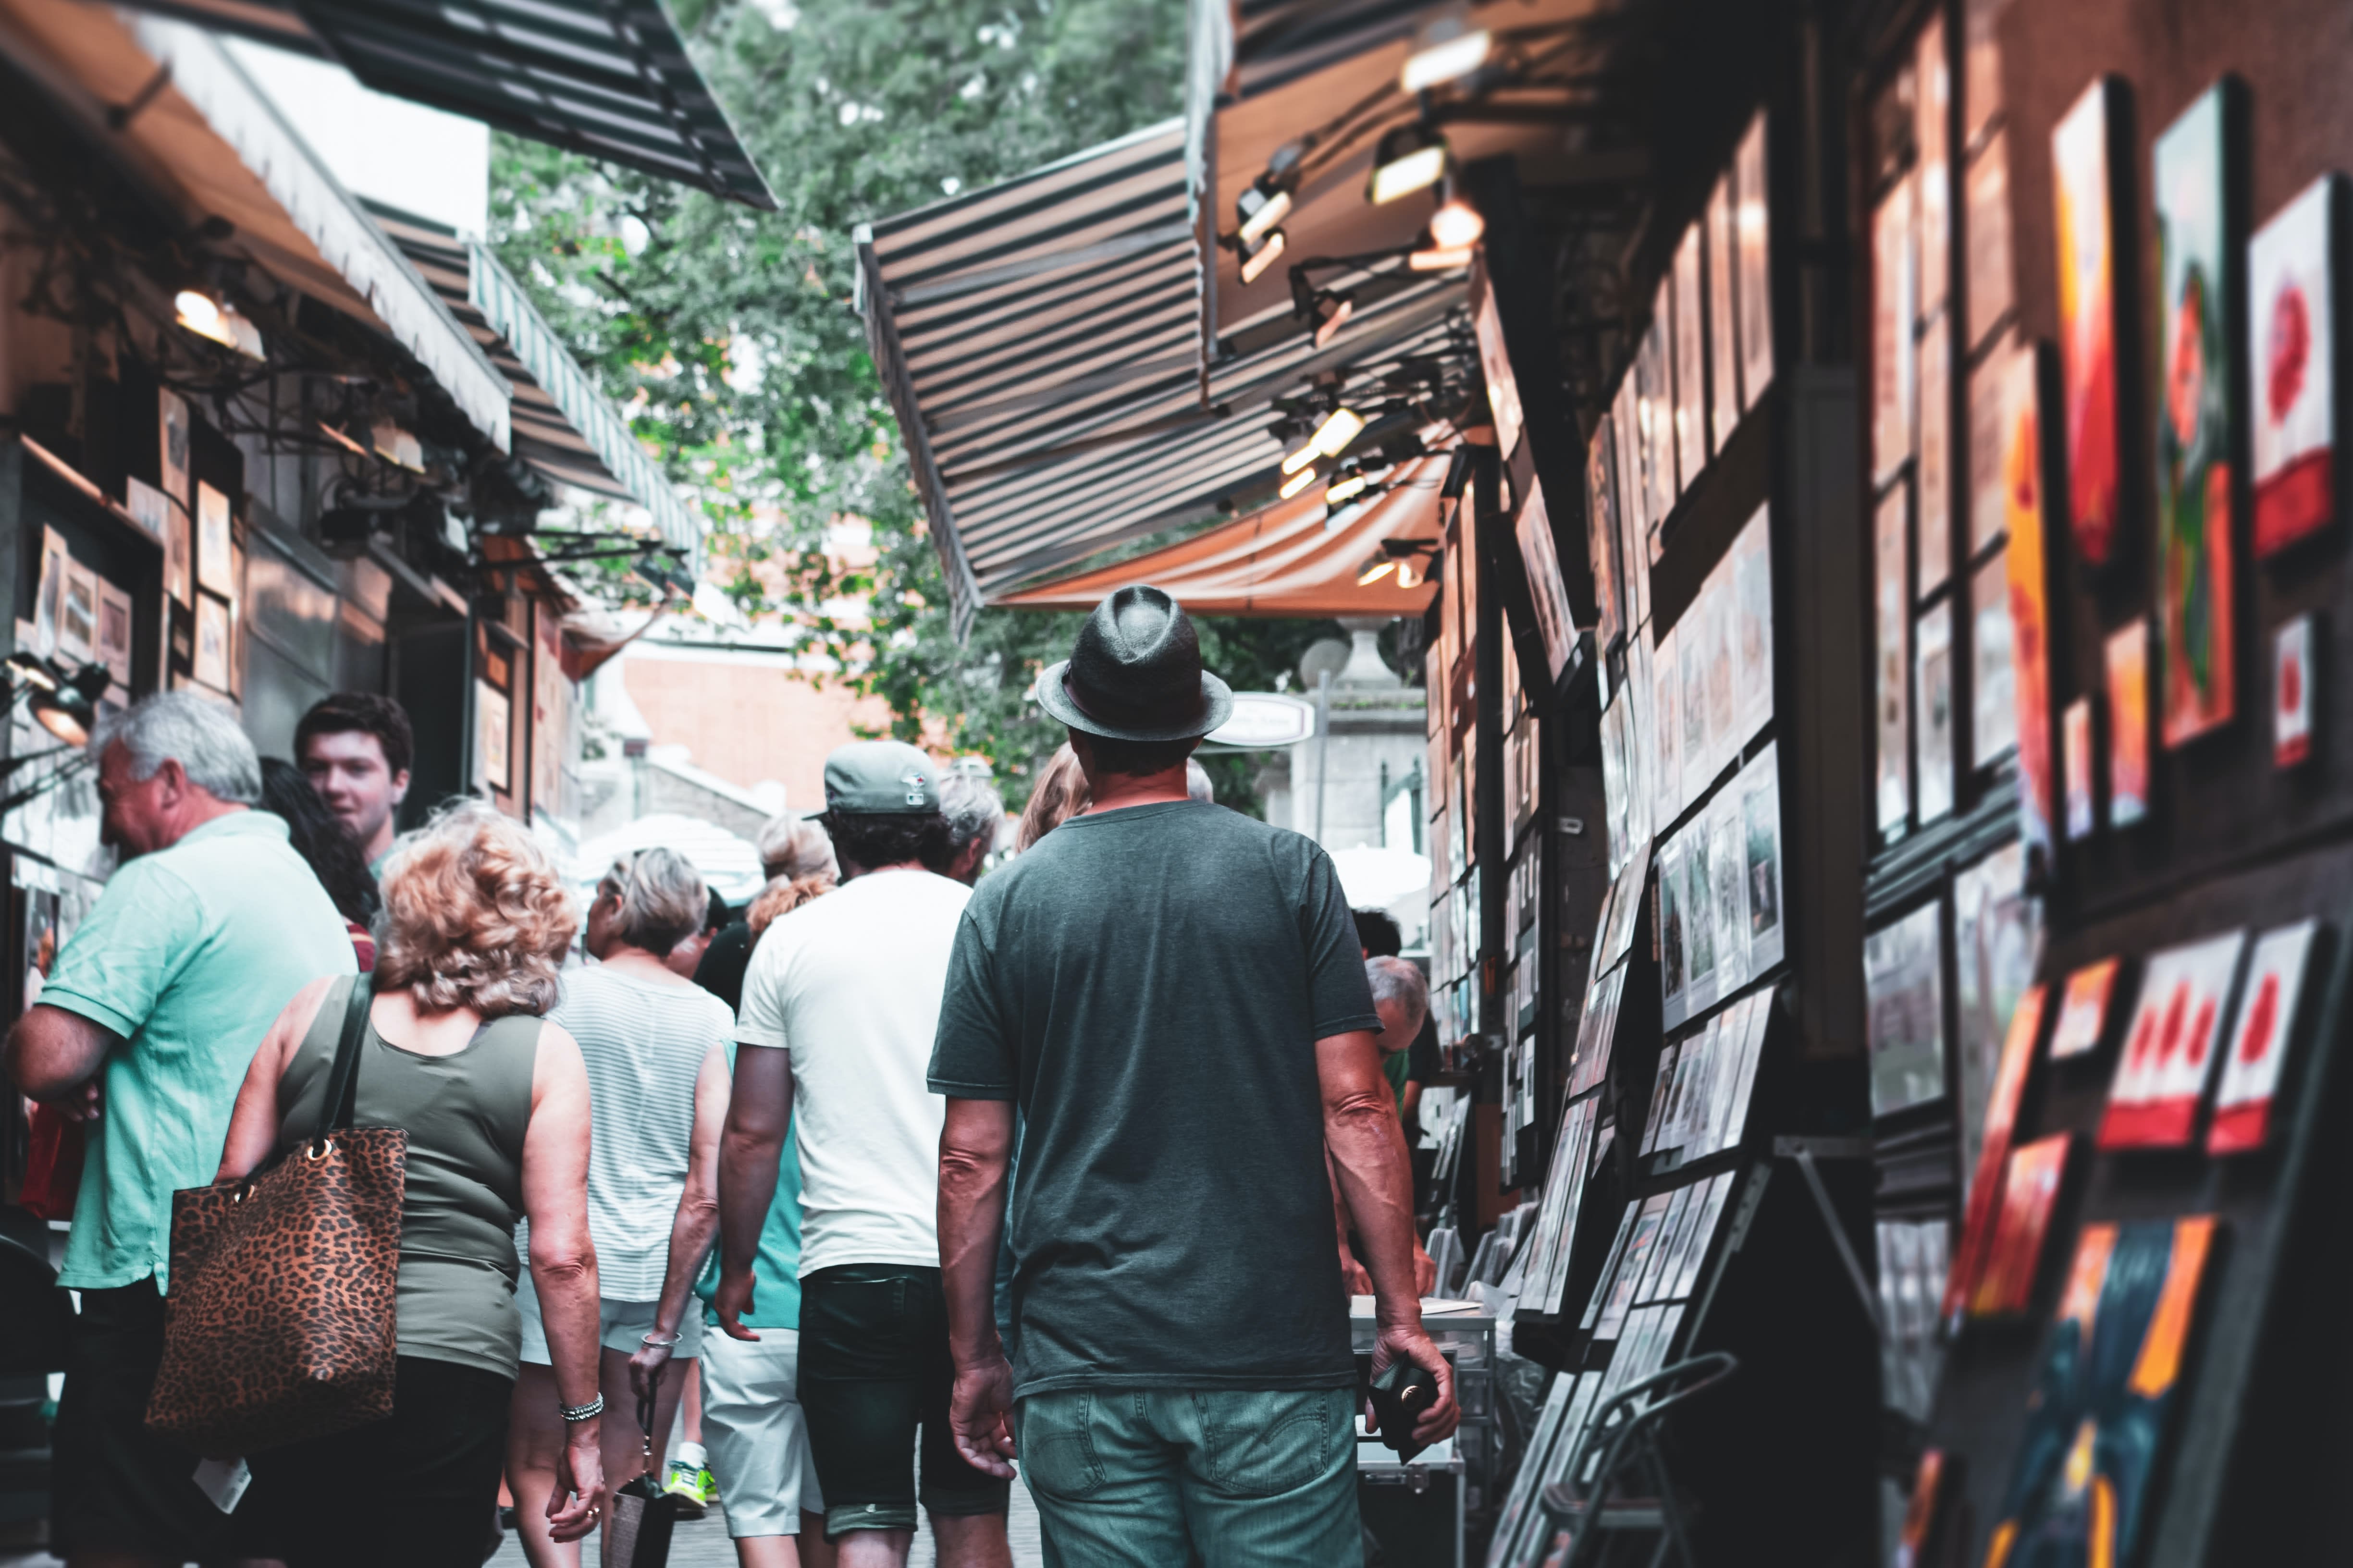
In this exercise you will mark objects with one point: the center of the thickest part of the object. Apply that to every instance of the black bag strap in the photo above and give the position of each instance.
(344, 1080)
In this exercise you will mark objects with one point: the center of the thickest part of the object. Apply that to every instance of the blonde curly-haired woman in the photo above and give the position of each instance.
(495, 1102)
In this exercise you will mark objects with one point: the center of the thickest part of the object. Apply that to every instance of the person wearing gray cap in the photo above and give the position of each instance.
(1174, 996)
(841, 1006)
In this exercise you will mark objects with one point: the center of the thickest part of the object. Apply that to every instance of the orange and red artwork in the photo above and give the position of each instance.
(2128, 725)
(2082, 188)
(2030, 604)
(1993, 1154)
(2251, 1071)
(2084, 1009)
(2177, 1032)
(2029, 1192)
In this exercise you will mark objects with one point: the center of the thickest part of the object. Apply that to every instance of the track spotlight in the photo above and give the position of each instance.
(1432, 259)
(1296, 483)
(1374, 572)
(1256, 261)
(1261, 207)
(1410, 158)
(1445, 48)
(1345, 487)
(1332, 312)
(217, 321)
(1341, 427)
(1301, 458)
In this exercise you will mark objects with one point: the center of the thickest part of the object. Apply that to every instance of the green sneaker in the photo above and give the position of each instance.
(692, 1486)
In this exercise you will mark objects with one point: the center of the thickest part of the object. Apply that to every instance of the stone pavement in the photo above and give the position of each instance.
(703, 1543)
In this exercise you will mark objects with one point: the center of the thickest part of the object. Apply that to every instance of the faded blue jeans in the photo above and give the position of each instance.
(1157, 1477)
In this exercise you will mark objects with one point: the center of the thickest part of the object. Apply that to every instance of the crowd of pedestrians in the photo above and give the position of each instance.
(901, 1174)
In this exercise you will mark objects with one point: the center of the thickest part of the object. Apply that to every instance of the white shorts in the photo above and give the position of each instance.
(756, 1435)
(620, 1326)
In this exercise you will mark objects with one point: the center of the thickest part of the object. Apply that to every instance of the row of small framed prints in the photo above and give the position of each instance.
(1720, 908)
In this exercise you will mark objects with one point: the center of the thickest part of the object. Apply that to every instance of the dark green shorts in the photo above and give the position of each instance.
(875, 1369)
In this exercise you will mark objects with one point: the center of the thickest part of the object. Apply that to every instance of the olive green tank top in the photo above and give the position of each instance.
(465, 1114)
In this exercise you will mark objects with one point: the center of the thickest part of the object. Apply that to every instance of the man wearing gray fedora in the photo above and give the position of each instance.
(1180, 1384)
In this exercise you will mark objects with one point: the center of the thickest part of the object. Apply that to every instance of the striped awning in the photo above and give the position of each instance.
(1289, 559)
(1041, 342)
(607, 78)
(563, 426)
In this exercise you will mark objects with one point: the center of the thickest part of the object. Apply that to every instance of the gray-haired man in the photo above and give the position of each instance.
(161, 996)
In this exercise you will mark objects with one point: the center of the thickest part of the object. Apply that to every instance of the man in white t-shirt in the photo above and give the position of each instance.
(840, 1005)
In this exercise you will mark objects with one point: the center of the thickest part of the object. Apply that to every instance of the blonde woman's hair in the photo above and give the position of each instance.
(782, 896)
(1061, 794)
(474, 916)
(663, 898)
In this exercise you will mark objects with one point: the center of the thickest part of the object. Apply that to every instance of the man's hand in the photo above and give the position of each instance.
(980, 1414)
(1425, 1270)
(1407, 1341)
(1354, 1275)
(575, 1505)
(731, 1301)
(83, 1104)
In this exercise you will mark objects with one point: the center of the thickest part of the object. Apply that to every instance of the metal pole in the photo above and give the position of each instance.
(1323, 745)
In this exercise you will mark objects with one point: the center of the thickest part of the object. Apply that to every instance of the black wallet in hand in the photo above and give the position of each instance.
(1401, 1393)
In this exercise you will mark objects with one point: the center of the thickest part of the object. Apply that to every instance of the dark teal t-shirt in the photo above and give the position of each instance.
(1148, 984)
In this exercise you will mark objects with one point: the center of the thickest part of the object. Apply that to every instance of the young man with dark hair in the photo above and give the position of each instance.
(1169, 992)
(355, 747)
(841, 1006)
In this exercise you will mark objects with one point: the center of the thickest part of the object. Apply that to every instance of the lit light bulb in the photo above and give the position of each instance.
(1456, 225)
(1343, 488)
(1255, 264)
(1341, 427)
(1296, 483)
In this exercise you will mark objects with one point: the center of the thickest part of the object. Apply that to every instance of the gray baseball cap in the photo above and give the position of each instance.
(871, 778)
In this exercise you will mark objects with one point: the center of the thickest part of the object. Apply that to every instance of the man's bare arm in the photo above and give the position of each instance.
(1376, 1175)
(759, 1110)
(975, 1152)
(52, 1052)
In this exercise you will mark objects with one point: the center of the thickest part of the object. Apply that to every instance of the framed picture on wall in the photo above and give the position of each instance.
(1932, 101)
(1903, 975)
(2196, 423)
(49, 595)
(1986, 217)
(1891, 601)
(1602, 533)
(1893, 304)
(1691, 359)
(2291, 367)
(1934, 485)
(78, 615)
(211, 663)
(171, 431)
(491, 717)
(1933, 700)
(2128, 725)
(1722, 334)
(213, 532)
(114, 631)
(2083, 192)
(1541, 558)
(1752, 310)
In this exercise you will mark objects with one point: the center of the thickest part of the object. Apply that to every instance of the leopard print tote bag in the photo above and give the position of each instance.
(279, 1320)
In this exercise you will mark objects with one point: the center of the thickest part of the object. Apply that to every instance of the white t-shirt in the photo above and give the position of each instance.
(849, 983)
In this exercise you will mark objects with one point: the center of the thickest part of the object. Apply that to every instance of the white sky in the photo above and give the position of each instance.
(404, 154)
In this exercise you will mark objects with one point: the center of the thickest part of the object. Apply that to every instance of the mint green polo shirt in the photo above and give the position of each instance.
(189, 954)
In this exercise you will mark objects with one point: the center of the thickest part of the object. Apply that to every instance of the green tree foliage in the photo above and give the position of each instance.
(728, 336)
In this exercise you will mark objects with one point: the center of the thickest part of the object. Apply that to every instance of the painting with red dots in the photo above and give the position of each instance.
(2292, 692)
(2178, 1029)
(2251, 1070)
(2290, 360)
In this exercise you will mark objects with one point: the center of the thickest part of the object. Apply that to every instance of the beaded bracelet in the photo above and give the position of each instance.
(579, 1413)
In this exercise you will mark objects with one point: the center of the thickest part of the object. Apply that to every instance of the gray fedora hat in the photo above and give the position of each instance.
(1135, 673)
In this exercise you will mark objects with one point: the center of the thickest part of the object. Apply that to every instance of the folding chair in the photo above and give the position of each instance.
(1631, 1491)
